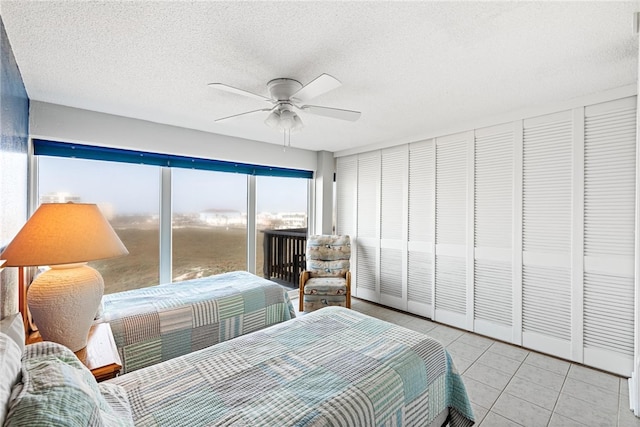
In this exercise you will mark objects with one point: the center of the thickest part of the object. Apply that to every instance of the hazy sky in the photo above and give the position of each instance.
(131, 188)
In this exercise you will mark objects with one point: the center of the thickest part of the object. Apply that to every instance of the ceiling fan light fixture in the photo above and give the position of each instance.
(287, 120)
(273, 119)
(298, 125)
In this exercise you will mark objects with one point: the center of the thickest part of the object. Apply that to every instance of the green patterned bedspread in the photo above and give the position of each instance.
(332, 367)
(158, 323)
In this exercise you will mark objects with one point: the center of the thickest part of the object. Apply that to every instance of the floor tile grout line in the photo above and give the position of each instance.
(620, 402)
(475, 361)
(618, 396)
(555, 405)
(503, 391)
(498, 369)
(552, 357)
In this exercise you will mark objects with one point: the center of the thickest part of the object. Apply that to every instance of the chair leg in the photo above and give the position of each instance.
(304, 276)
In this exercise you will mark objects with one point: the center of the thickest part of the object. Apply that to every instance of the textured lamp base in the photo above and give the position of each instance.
(64, 301)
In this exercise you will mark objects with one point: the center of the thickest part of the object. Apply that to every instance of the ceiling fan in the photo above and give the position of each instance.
(289, 96)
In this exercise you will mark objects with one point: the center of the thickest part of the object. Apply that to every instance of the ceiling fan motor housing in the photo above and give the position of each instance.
(283, 89)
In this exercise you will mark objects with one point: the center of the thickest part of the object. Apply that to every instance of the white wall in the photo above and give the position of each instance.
(67, 124)
(323, 194)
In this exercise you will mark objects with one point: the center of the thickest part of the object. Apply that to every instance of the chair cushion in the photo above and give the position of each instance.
(319, 268)
(328, 255)
(328, 248)
(315, 302)
(326, 286)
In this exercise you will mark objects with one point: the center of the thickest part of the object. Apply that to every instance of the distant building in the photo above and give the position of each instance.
(282, 220)
(223, 218)
(292, 219)
(265, 220)
(107, 209)
(60, 197)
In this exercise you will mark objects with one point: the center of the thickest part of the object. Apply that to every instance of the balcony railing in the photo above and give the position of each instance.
(284, 255)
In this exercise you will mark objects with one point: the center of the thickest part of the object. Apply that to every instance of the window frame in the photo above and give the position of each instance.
(165, 163)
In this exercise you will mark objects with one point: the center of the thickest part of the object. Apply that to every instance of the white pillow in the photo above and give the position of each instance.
(14, 328)
(10, 356)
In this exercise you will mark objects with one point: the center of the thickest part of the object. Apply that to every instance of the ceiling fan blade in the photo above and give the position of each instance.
(335, 113)
(321, 84)
(231, 89)
(242, 114)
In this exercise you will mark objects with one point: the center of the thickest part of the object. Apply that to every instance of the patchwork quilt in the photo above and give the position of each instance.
(161, 322)
(332, 367)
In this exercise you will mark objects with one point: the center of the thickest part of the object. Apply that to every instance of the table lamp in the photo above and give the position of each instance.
(64, 299)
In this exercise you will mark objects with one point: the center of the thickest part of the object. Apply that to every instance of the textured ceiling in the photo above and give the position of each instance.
(410, 67)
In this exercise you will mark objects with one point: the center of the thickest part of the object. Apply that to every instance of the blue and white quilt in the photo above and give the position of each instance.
(332, 367)
(161, 322)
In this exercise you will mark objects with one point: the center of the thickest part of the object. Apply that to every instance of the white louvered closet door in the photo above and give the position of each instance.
(493, 234)
(367, 284)
(421, 231)
(609, 222)
(451, 229)
(546, 237)
(393, 227)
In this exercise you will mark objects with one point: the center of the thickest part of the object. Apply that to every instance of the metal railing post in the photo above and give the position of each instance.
(284, 254)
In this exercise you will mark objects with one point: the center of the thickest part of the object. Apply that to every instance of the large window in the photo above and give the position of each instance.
(209, 223)
(128, 196)
(205, 220)
(281, 204)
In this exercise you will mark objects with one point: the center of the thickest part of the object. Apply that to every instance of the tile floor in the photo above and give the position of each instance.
(512, 386)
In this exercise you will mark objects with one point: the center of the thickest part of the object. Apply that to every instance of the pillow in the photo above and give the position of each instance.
(57, 389)
(10, 354)
(13, 327)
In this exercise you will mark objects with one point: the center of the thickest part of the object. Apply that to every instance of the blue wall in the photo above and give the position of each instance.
(14, 131)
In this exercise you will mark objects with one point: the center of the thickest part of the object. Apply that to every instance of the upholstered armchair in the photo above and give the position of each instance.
(327, 279)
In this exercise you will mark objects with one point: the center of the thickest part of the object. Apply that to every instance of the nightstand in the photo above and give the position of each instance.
(100, 355)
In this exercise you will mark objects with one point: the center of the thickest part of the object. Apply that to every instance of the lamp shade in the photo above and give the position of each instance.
(63, 233)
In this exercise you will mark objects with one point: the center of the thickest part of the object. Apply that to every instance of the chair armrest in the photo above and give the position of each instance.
(348, 295)
(304, 276)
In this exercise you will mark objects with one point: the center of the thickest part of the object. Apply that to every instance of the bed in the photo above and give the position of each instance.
(158, 323)
(331, 367)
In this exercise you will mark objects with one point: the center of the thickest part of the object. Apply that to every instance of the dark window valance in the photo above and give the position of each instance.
(80, 151)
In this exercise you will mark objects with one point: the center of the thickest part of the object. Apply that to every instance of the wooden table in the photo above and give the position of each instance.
(100, 355)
